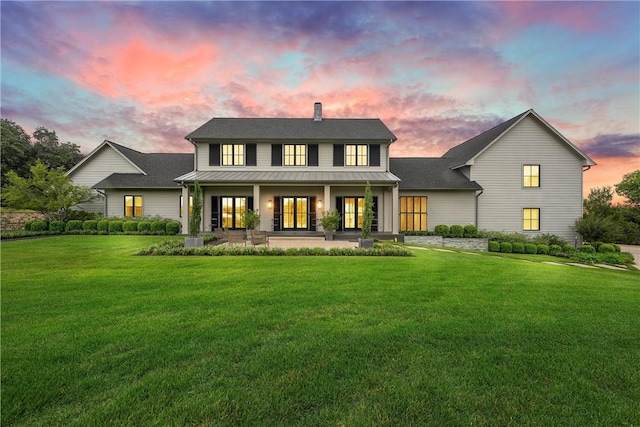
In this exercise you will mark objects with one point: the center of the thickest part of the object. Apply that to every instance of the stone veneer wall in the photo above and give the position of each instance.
(16, 220)
(479, 244)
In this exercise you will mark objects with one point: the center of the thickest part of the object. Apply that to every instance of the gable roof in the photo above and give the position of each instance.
(160, 170)
(429, 173)
(127, 154)
(465, 153)
(269, 129)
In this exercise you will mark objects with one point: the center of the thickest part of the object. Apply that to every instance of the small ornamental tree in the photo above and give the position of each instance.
(48, 191)
(196, 213)
(367, 217)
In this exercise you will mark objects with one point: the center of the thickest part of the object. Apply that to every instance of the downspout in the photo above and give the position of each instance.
(478, 195)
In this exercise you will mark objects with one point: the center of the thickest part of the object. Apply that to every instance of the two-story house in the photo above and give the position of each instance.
(520, 176)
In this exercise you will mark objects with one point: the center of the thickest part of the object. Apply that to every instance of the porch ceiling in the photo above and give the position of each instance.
(288, 177)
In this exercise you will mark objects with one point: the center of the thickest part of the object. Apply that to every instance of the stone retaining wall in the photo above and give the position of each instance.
(16, 220)
(479, 244)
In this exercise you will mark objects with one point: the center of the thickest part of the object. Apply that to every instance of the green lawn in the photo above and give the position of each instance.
(93, 335)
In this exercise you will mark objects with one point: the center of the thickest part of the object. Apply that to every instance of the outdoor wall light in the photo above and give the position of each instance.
(269, 204)
(319, 204)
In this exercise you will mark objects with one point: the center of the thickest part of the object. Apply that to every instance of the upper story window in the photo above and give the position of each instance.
(531, 176)
(295, 154)
(356, 155)
(232, 154)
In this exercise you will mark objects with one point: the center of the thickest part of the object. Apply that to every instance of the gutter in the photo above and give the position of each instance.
(105, 201)
(195, 154)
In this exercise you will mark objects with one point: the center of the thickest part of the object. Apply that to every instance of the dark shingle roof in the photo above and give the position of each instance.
(472, 147)
(429, 173)
(292, 129)
(160, 170)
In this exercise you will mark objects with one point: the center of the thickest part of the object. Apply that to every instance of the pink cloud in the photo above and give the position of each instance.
(588, 17)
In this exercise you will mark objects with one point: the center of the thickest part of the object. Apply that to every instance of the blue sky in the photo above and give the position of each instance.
(145, 74)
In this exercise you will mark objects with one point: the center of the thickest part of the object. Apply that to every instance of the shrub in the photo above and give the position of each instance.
(542, 249)
(39, 225)
(530, 248)
(56, 226)
(617, 248)
(173, 227)
(548, 239)
(103, 225)
(144, 226)
(73, 225)
(158, 227)
(91, 225)
(456, 231)
(494, 246)
(470, 231)
(555, 250)
(518, 248)
(27, 225)
(441, 230)
(597, 245)
(115, 226)
(504, 237)
(606, 248)
(587, 249)
(506, 247)
(130, 226)
(568, 249)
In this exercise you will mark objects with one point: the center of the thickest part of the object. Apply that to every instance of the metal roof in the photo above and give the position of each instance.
(288, 177)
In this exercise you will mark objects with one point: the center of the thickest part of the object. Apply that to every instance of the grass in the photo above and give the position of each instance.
(93, 335)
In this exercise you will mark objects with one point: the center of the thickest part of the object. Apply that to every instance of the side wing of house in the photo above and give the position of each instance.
(96, 166)
(531, 178)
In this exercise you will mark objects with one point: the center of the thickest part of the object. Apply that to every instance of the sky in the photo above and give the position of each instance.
(145, 74)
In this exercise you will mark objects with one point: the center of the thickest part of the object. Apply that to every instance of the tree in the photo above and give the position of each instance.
(367, 217)
(48, 191)
(16, 150)
(48, 149)
(629, 187)
(196, 211)
(599, 201)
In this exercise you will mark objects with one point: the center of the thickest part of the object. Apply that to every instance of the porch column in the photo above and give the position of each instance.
(256, 203)
(185, 209)
(395, 209)
(327, 204)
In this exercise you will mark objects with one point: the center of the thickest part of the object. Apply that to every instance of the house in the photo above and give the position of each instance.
(520, 176)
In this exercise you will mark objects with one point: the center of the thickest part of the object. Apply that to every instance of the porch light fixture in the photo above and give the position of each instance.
(269, 204)
(319, 204)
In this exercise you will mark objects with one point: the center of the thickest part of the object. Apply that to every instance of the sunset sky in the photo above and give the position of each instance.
(145, 74)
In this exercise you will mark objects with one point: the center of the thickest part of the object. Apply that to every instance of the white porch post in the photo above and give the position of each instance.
(185, 209)
(327, 203)
(395, 210)
(256, 202)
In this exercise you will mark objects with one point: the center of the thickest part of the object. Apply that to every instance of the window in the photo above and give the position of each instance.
(295, 155)
(356, 155)
(190, 206)
(132, 206)
(233, 154)
(531, 219)
(531, 176)
(413, 213)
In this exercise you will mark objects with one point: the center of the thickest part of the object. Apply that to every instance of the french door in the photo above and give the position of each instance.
(294, 213)
(351, 209)
(228, 211)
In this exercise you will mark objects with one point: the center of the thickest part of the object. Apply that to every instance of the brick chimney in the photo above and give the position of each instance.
(317, 112)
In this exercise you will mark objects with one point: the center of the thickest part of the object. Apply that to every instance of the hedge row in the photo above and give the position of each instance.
(606, 253)
(104, 226)
(458, 231)
(176, 247)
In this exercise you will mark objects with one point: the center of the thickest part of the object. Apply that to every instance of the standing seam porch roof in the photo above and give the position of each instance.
(288, 177)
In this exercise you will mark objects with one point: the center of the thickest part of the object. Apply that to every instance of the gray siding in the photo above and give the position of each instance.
(164, 203)
(102, 163)
(447, 207)
(499, 171)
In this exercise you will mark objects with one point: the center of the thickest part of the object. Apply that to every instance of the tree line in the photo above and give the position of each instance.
(604, 221)
(34, 171)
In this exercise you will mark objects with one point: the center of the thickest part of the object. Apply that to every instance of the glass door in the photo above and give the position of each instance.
(295, 213)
